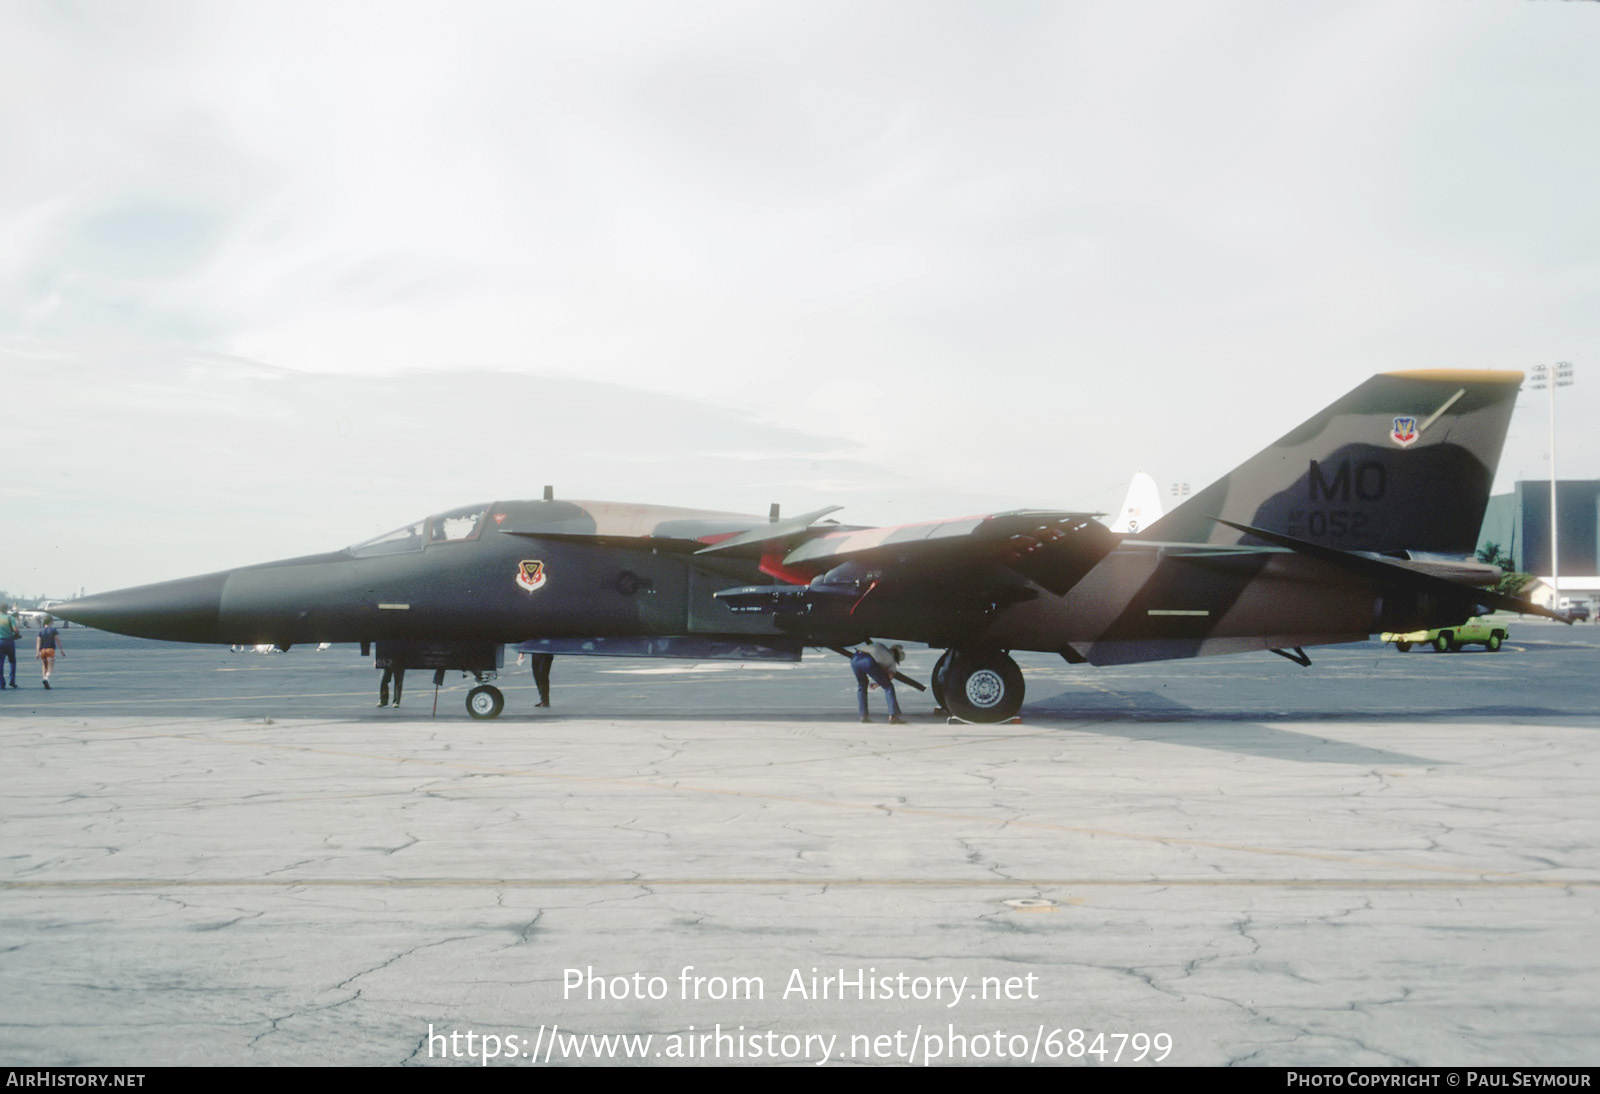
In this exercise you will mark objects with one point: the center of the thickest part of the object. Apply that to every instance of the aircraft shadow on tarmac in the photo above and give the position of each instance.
(1123, 714)
(1131, 706)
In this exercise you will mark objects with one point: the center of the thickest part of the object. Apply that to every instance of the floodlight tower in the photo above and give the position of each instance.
(1549, 378)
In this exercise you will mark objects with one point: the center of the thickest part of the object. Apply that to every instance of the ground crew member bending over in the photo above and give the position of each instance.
(876, 662)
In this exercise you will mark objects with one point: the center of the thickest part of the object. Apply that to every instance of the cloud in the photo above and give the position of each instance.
(1011, 254)
(147, 462)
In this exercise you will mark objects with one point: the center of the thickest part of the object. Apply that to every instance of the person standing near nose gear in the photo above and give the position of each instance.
(541, 672)
(398, 675)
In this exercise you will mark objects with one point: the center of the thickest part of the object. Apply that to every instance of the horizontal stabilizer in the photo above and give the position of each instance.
(1395, 574)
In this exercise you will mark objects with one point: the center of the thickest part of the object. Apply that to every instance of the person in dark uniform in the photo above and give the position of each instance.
(10, 631)
(876, 663)
(541, 672)
(398, 675)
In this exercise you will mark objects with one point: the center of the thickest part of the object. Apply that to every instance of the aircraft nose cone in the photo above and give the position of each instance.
(180, 611)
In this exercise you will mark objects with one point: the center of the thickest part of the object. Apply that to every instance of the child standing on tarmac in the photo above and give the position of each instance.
(46, 644)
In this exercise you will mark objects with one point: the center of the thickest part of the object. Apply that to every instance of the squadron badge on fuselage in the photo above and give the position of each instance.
(1404, 432)
(530, 574)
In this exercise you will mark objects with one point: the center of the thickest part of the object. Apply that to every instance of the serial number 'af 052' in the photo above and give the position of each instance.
(1357, 521)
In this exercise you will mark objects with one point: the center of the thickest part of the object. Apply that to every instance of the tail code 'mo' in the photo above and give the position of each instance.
(1403, 462)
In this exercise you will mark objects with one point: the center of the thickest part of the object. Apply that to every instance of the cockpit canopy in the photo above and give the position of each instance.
(456, 526)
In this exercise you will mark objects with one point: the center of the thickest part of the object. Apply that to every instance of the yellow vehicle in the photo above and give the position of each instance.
(1477, 631)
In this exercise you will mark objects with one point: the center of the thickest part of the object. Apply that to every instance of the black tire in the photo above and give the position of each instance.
(1403, 647)
(982, 686)
(1444, 644)
(936, 679)
(1495, 638)
(485, 701)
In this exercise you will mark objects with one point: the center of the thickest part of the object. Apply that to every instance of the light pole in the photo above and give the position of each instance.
(1550, 378)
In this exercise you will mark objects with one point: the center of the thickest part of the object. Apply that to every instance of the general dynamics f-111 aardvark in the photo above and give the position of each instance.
(1361, 520)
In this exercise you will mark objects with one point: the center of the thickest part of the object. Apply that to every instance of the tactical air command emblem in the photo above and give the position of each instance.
(530, 574)
(1404, 432)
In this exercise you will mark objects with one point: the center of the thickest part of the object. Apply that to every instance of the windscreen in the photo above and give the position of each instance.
(398, 542)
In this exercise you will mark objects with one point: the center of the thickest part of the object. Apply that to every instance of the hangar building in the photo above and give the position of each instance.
(1519, 522)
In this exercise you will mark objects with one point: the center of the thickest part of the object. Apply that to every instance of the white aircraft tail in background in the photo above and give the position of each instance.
(1142, 506)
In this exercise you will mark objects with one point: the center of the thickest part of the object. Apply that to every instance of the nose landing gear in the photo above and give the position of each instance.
(485, 700)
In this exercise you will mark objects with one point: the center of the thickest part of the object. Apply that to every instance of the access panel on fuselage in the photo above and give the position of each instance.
(424, 653)
(707, 615)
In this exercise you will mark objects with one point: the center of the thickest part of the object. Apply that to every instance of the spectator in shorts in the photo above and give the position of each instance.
(46, 646)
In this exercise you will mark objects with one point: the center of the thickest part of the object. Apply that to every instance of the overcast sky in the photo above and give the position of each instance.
(276, 277)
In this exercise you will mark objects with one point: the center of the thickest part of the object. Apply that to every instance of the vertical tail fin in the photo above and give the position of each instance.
(1403, 462)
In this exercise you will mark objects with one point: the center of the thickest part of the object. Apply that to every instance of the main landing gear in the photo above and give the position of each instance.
(978, 685)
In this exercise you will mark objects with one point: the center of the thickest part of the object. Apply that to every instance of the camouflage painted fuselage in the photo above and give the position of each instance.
(1303, 544)
(526, 569)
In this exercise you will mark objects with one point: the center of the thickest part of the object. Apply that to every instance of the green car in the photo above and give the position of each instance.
(1477, 631)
